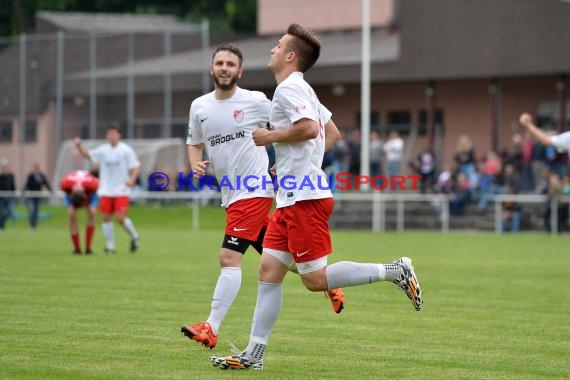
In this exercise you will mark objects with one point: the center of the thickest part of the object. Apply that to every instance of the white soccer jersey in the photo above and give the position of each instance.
(562, 142)
(225, 127)
(299, 165)
(114, 162)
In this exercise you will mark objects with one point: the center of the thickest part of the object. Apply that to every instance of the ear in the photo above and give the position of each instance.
(291, 56)
(211, 70)
(240, 72)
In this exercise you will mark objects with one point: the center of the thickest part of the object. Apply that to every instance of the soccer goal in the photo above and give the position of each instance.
(165, 155)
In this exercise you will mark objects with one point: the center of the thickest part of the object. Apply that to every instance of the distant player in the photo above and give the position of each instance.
(222, 122)
(80, 189)
(119, 168)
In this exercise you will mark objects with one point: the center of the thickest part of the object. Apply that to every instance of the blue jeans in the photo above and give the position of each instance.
(33, 211)
(515, 222)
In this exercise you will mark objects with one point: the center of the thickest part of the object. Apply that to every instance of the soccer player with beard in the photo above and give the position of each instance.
(298, 231)
(222, 123)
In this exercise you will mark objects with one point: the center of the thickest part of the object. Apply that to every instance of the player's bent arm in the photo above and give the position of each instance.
(195, 158)
(133, 174)
(301, 130)
(332, 135)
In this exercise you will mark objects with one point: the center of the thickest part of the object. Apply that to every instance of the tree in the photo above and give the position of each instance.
(226, 16)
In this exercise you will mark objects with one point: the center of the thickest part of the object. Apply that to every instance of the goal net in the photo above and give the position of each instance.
(164, 155)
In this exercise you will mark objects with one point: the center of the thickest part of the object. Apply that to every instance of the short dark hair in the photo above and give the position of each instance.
(306, 46)
(115, 126)
(229, 47)
(78, 198)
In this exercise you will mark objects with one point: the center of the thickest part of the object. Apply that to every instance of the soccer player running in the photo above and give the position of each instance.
(119, 168)
(80, 189)
(222, 121)
(298, 231)
(560, 141)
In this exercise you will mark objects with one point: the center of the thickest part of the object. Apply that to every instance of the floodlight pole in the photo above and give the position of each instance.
(365, 94)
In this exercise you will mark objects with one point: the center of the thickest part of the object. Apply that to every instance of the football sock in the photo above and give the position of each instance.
(267, 309)
(108, 233)
(391, 271)
(225, 292)
(89, 236)
(347, 273)
(75, 240)
(130, 227)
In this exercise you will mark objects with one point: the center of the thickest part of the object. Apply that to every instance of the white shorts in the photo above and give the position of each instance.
(303, 268)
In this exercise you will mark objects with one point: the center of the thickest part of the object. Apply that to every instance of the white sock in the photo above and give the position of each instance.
(108, 233)
(130, 227)
(347, 273)
(267, 309)
(226, 290)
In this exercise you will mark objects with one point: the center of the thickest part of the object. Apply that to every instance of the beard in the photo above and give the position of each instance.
(227, 86)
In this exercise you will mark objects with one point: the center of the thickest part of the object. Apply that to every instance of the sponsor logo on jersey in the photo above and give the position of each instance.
(219, 139)
(299, 108)
(238, 115)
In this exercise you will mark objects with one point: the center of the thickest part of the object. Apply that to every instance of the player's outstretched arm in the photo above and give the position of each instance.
(542, 137)
(81, 149)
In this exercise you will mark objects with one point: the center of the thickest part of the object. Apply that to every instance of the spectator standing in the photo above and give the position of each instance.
(36, 182)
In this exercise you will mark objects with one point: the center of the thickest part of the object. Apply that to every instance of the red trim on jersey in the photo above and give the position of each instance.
(247, 217)
(302, 229)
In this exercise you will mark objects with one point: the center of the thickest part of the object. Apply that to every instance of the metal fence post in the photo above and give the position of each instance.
(59, 89)
(22, 106)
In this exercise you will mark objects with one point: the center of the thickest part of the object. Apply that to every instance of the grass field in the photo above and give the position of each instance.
(495, 307)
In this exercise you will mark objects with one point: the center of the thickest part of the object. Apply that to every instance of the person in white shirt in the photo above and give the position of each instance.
(221, 123)
(119, 168)
(561, 141)
(298, 232)
(394, 149)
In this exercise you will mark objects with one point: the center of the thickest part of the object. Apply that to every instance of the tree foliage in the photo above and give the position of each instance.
(226, 16)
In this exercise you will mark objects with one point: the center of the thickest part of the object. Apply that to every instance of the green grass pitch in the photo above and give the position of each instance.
(494, 306)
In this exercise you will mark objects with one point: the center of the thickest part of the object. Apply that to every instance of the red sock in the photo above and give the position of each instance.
(89, 236)
(75, 240)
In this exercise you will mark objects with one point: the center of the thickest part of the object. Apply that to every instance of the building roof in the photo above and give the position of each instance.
(113, 22)
(339, 48)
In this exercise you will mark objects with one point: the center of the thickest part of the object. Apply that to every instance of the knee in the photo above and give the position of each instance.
(232, 259)
(315, 284)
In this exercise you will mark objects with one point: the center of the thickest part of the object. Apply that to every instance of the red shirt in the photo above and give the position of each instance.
(80, 179)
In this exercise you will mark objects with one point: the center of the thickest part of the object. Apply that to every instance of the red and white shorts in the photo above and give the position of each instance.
(302, 230)
(247, 217)
(110, 205)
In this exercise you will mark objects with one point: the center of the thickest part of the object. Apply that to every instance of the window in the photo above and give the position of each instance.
(180, 128)
(374, 121)
(400, 121)
(548, 114)
(151, 131)
(5, 132)
(30, 131)
(438, 122)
